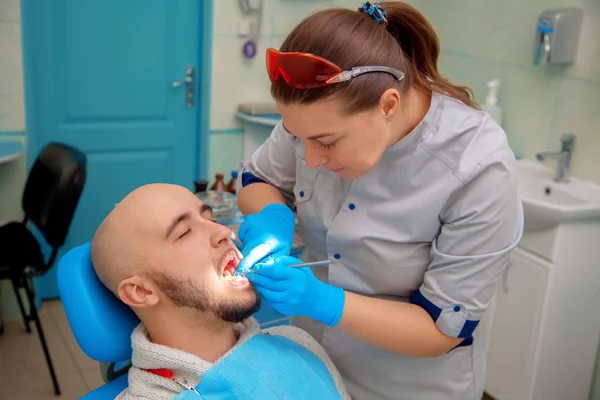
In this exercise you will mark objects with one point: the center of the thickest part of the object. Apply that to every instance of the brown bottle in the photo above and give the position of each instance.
(201, 185)
(231, 186)
(219, 185)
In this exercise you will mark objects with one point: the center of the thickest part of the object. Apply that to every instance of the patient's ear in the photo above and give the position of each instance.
(138, 292)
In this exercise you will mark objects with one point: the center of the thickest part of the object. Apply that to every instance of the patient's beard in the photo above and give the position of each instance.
(184, 293)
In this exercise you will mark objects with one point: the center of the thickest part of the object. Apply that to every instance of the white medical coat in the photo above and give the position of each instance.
(433, 224)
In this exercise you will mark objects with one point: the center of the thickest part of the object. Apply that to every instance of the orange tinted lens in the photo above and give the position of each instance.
(302, 71)
(272, 69)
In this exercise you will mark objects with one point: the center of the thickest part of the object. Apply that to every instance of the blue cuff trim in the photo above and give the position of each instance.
(467, 342)
(469, 326)
(249, 179)
(418, 299)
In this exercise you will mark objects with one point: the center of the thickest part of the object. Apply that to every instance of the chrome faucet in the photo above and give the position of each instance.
(567, 142)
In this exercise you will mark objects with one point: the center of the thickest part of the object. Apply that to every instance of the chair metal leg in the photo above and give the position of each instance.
(15, 285)
(1, 316)
(38, 326)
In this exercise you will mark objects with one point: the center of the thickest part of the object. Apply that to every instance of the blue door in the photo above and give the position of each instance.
(99, 75)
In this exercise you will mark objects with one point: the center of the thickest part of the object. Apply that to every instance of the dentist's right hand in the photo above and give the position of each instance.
(297, 292)
(268, 233)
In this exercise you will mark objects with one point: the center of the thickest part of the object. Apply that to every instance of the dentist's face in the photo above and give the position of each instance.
(349, 145)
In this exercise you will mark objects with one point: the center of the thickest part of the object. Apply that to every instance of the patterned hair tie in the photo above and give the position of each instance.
(375, 12)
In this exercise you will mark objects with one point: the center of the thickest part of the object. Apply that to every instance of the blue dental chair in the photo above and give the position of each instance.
(101, 324)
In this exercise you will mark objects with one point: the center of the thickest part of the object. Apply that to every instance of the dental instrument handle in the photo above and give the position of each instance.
(323, 263)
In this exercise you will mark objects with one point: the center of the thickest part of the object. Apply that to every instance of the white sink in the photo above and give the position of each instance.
(547, 203)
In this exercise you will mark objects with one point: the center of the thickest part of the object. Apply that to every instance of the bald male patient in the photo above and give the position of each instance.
(161, 253)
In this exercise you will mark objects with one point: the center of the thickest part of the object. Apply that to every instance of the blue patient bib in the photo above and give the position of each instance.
(266, 367)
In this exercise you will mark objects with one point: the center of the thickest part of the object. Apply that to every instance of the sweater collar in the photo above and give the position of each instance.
(147, 355)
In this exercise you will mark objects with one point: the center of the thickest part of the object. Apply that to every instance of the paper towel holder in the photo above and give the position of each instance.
(557, 36)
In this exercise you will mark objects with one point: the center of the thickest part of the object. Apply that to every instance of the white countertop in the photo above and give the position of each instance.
(261, 119)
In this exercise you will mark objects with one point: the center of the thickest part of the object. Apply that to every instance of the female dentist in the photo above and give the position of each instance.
(401, 181)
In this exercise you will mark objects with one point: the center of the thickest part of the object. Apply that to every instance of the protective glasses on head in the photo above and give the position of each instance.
(307, 71)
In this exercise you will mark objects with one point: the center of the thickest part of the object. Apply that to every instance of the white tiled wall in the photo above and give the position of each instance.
(237, 79)
(12, 115)
(12, 125)
(11, 76)
(484, 39)
(481, 40)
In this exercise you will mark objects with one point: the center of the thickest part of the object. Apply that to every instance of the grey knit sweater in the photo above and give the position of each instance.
(147, 355)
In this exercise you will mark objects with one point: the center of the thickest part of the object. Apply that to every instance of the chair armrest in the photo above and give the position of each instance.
(109, 373)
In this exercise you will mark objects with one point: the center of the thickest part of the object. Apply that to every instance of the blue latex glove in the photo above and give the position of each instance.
(268, 233)
(297, 292)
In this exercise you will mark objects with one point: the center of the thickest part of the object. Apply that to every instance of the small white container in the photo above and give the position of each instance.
(491, 101)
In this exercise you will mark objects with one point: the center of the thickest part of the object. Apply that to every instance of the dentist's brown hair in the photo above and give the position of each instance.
(350, 39)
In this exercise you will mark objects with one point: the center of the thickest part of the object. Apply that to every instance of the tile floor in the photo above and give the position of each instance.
(23, 371)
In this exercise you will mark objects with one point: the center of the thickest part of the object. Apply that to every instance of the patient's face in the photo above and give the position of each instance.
(189, 257)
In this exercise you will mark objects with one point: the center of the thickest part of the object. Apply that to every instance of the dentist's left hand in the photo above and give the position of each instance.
(296, 291)
(268, 233)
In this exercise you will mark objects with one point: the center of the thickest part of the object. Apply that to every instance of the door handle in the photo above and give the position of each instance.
(188, 81)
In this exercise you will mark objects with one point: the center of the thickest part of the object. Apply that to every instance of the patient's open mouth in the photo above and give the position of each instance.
(231, 262)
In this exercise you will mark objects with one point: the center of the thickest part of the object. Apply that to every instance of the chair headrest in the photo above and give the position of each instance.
(100, 322)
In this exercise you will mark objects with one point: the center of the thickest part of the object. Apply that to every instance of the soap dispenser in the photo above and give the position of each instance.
(491, 101)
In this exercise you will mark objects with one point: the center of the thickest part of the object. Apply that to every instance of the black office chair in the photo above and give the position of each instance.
(50, 198)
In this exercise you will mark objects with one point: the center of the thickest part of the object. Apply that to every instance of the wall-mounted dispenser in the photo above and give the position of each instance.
(557, 36)
(246, 28)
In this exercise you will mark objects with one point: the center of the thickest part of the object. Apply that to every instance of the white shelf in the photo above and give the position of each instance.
(9, 151)
(257, 129)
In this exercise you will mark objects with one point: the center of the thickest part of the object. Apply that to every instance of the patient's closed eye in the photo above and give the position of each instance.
(205, 210)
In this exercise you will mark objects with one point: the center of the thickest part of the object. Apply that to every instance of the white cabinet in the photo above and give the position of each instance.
(515, 327)
(543, 329)
(486, 327)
